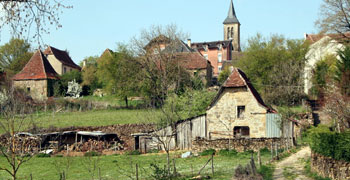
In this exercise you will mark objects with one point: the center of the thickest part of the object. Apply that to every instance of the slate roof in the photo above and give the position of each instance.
(38, 67)
(312, 38)
(231, 17)
(211, 45)
(239, 79)
(62, 56)
(178, 47)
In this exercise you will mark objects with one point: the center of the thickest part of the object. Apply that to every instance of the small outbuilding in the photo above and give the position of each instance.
(37, 77)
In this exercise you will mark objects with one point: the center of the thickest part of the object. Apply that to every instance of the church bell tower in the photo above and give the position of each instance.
(232, 28)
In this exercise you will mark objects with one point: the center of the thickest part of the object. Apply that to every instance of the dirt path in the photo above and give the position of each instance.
(292, 168)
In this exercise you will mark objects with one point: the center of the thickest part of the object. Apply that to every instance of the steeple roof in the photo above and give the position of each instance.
(38, 67)
(231, 17)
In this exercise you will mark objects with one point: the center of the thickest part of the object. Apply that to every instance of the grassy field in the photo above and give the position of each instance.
(91, 118)
(96, 118)
(118, 167)
(112, 101)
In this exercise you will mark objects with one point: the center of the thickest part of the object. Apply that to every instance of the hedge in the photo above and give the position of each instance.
(329, 143)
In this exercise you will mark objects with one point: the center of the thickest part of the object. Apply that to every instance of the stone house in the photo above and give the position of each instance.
(229, 49)
(321, 46)
(237, 110)
(60, 60)
(37, 77)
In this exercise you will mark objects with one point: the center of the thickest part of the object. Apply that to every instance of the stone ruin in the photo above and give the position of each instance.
(74, 89)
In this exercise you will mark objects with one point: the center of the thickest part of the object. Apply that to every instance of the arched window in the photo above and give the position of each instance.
(228, 33)
(232, 33)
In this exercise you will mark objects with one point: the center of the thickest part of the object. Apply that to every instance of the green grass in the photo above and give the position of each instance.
(97, 118)
(112, 101)
(267, 171)
(120, 166)
(91, 118)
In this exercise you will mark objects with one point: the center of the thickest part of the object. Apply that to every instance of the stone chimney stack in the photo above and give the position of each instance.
(189, 42)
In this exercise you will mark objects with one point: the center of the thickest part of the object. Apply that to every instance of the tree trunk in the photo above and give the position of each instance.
(126, 101)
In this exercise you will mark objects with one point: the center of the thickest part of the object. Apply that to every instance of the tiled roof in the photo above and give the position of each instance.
(62, 56)
(192, 60)
(211, 45)
(239, 79)
(38, 67)
(312, 38)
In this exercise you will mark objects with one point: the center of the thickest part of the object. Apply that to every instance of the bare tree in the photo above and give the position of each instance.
(157, 50)
(14, 117)
(338, 108)
(22, 16)
(334, 16)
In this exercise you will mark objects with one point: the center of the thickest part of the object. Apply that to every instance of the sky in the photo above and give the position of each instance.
(92, 26)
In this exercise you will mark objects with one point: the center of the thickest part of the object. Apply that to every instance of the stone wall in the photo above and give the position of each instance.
(37, 89)
(328, 167)
(239, 145)
(222, 117)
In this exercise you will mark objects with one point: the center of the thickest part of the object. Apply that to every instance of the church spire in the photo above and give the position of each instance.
(231, 17)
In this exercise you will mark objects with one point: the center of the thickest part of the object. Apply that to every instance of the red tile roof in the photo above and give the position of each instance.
(192, 60)
(62, 56)
(38, 67)
(239, 79)
(312, 38)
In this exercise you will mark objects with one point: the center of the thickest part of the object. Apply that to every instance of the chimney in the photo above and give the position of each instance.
(189, 42)
(84, 63)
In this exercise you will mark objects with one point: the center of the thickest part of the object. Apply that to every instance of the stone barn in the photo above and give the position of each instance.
(237, 110)
(37, 77)
(237, 113)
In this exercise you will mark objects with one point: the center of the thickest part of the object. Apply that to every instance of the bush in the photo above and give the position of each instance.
(208, 152)
(91, 153)
(43, 155)
(226, 152)
(135, 152)
(153, 151)
(328, 143)
(266, 171)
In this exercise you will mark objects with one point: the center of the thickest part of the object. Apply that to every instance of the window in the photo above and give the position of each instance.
(241, 131)
(28, 89)
(240, 111)
(219, 57)
(206, 56)
(220, 68)
(205, 48)
(64, 70)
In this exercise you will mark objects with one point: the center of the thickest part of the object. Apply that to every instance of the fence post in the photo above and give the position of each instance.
(271, 150)
(212, 164)
(174, 167)
(259, 158)
(137, 172)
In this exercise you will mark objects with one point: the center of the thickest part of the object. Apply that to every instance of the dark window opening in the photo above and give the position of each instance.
(64, 70)
(241, 131)
(28, 89)
(137, 143)
(240, 111)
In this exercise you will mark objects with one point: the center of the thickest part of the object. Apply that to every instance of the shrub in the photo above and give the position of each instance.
(208, 152)
(153, 151)
(329, 143)
(43, 155)
(227, 152)
(91, 153)
(266, 171)
(135, 152)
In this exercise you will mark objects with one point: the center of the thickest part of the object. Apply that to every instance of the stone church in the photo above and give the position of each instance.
(224, 51)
